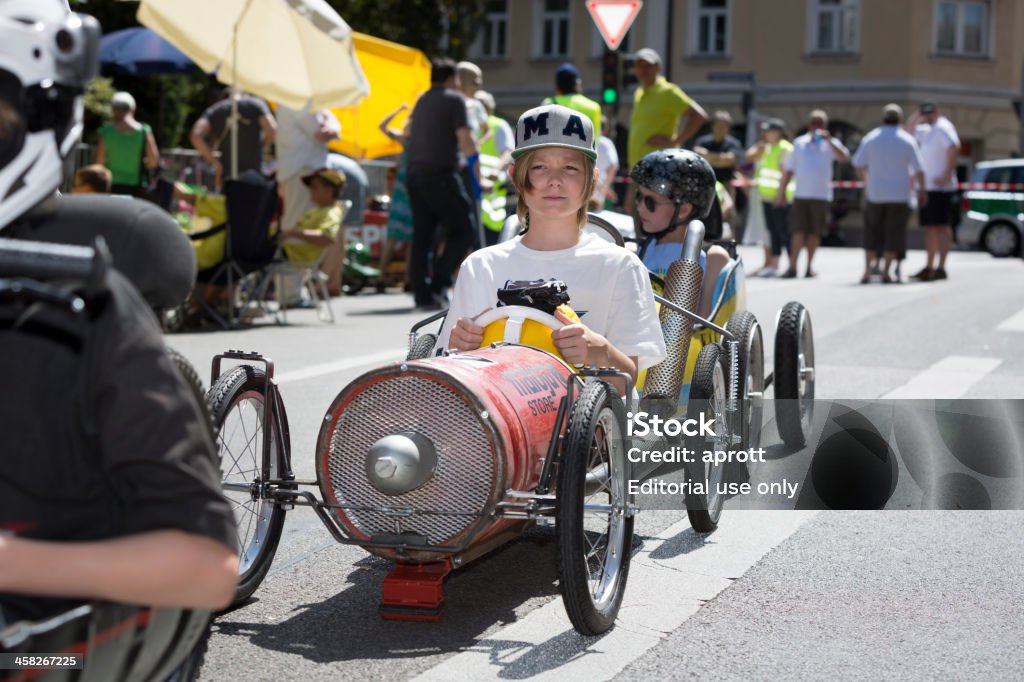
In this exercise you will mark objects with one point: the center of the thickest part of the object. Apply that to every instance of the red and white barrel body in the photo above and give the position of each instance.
(414, 457)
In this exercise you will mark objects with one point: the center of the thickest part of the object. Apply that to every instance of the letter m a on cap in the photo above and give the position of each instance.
(574, 126)
(535, 124)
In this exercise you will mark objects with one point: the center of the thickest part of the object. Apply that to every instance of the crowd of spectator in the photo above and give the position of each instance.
(451, 195)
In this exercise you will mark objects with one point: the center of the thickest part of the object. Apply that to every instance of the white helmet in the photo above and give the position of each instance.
(47, 56)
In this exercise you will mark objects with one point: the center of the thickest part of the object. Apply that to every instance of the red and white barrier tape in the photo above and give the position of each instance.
(858, 184)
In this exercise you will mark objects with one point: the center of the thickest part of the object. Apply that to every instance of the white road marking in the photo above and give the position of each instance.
(1012, 324)
(951, 377)
(393, 354)
(667, 584)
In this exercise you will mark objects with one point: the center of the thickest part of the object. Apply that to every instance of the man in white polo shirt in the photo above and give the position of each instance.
(886, 160)
(810, 166)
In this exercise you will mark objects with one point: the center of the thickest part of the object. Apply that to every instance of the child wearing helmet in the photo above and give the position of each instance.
(554, 175)
(673, 187)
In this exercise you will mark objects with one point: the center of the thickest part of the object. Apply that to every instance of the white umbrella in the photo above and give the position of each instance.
(296, 52)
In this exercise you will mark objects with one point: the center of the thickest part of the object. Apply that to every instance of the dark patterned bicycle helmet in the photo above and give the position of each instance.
(679, 174)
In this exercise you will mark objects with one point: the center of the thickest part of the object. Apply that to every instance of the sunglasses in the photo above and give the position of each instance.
(649, 201)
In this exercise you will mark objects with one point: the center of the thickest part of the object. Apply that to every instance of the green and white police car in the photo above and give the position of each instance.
(993, 208)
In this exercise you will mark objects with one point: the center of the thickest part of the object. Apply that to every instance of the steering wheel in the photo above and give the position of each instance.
(522, 324)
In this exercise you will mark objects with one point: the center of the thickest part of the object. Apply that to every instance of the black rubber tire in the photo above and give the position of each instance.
(745, 326)
(422, 347)
(794, 356)
(172, 319)
(596, 406)
(189, 669)
(992, 230)
(354, 285)
(239, 394)
(708, 391)
(191, 376)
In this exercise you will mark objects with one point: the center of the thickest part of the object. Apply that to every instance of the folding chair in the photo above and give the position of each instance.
(251, 203)
(311, 277)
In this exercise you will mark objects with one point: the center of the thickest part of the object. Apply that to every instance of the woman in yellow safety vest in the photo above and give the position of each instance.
(495, 156)
(770, 154)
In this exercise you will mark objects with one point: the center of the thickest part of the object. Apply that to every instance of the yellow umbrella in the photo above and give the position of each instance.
(400, 75)
(296, 52)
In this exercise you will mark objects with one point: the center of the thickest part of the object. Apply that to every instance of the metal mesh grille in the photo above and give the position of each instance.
(465, 468)
(682, 287)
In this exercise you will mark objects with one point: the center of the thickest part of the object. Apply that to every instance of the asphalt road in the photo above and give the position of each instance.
(771, 594)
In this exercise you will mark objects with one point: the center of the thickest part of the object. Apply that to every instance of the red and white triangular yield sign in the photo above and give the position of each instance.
(613, 18)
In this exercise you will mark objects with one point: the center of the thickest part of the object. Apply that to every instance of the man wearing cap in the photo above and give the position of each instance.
(770, 153)
(438, 132)
(886, 160)
(940, 146)
(568, 93)
(810, 166)
(125, 146)
(722, 150)
(663, 115)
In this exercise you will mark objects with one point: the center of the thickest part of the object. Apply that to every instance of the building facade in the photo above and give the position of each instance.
(849, 57)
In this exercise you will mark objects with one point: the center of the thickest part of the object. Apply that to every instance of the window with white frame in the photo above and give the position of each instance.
(709, 28)
(834, 26)
(962, 27)
(551, 24)
(492, 38)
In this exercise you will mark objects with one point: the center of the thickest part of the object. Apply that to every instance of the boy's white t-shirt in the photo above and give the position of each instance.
(608, 288)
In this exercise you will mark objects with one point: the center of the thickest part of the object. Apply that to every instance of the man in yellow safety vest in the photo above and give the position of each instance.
(495, 155)
(770, 153)
(568, 87)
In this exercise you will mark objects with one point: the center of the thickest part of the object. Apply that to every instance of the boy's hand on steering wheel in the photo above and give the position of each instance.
(466, 334)
(577, 343)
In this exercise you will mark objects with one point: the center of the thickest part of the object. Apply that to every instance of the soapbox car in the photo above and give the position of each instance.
(436, 460)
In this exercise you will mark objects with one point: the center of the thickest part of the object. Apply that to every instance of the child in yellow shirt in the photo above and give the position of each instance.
(319, 228)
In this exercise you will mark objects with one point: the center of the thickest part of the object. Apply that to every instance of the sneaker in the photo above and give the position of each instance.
(766, 272)
(940, 274)
(788, 274)
(925, 275)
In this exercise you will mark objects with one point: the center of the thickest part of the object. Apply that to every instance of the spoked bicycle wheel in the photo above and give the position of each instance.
(237, 401)
(595, 526)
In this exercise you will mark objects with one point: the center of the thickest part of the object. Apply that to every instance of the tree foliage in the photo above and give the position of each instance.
(437, 27)
(167, 102)
(171, 102)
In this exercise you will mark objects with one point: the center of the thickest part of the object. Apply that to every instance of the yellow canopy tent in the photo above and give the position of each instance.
(397, 74)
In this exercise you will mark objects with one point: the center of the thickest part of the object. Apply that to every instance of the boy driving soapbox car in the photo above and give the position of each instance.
(436, 460)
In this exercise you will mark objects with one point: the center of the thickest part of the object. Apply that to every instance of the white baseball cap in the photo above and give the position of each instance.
(648, 55)
(552, 125)
(123, 100)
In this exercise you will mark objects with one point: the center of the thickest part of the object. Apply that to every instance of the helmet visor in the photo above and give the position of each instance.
(12, 117)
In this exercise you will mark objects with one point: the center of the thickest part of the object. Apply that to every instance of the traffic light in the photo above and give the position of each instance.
(610, 79)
